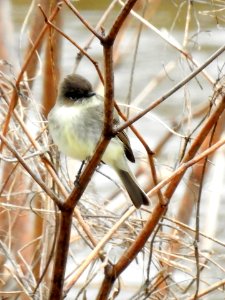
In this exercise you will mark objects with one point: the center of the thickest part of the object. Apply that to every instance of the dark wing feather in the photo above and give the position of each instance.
(124, 139)
(127, 147)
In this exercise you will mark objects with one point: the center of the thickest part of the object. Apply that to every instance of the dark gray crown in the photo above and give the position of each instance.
(76, 87)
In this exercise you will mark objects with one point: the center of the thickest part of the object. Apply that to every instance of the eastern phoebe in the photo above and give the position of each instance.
(76, 123)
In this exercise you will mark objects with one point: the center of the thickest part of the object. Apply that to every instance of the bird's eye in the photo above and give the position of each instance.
(70, 95)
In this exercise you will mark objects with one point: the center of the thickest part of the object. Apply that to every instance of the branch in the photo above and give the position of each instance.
(30, 172)
(69, 205)
(86, 24)
(113, 272)
(75, 44)
(173, 90)
(124, 12)
(61, 254)
(14, 98)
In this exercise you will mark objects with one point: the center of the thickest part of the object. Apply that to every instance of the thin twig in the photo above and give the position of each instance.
(75, 44)
(14, 98)
(173, 90)
(85, 23)
(30, 171)
(112, 273)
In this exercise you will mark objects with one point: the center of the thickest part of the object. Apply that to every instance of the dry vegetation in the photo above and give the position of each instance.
(173, 249)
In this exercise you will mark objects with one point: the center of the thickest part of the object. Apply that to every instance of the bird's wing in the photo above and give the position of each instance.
(124, 138)
(121, 135)
(127, 147)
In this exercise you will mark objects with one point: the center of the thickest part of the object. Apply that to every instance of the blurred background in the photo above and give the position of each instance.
(157, 47)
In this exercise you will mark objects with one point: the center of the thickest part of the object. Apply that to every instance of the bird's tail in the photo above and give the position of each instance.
(137, 196)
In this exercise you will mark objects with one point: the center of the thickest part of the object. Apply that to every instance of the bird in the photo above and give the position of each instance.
(76, 122)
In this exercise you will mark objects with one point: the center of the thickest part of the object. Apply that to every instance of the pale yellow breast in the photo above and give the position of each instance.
(63, 126)
(65, 123)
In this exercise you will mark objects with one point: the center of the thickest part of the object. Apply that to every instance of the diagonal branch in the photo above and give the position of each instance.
(14, 98)
(71, 202)
(113, 272)
(173, 90)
